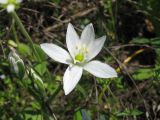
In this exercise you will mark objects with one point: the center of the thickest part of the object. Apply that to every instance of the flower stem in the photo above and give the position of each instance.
(54, 94)
(14, 32)
(25, 33)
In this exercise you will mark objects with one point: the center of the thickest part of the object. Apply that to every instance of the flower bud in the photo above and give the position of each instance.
(17, 64)
(38, 83)
(10, 5)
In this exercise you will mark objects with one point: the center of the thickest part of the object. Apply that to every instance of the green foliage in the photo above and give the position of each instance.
(40, 53)
(56, 1)
(24, 49)
(41, 68)
(85, 115)
(82, 115)
(36, 92)
(143, 74)
(151, 7)
(133, 112)
(155, 42)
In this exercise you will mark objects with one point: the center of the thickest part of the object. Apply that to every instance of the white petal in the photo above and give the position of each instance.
(3, 1)
(71, 78)
(56, 53)
(101, 70)
(95, 47)
(88, 34)
(10, 8)
(72, 39)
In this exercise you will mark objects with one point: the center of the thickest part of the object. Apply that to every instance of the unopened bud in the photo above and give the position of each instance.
(38, 83)
(17, 64)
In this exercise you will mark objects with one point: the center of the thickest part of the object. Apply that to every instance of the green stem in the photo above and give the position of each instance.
(14, 32)
(25, 33)
(54, 94)
(103, 91)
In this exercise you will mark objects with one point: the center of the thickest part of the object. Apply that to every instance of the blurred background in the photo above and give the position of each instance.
(132, 48)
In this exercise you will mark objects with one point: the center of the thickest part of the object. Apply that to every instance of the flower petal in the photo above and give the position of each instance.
(99, 69)
(56, 53)
(71, 78)
(95, 47)
(72, 39)
(88, 34)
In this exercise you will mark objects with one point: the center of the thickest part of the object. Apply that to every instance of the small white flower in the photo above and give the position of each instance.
(81, 51)
(2, 76)
(10, 8)
(10, 5)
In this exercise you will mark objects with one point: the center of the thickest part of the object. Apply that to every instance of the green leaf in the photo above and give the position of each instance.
(135, 112)
(33, 117)
(143, 74)
(81, 90)
(41, 68)
(155, 42)
(21, 70)
(78, 116)
(24, 49)
(38, 82)
(126, 112)
(56, 1)
(41, 55)
(140, 41)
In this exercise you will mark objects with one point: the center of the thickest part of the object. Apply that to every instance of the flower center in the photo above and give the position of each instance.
(81, 53)
(79, 57)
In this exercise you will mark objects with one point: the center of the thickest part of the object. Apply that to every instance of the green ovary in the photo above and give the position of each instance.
(79, 57)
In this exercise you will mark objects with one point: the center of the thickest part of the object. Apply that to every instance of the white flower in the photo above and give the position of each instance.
(10, 8)
(10, 5)
(2, 76)
(81, 51)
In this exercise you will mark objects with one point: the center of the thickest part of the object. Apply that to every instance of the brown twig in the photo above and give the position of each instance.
(73, 17)
(125, 69)
(140, 86)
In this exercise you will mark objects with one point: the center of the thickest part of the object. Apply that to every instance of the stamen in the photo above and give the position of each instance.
(81, 53)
